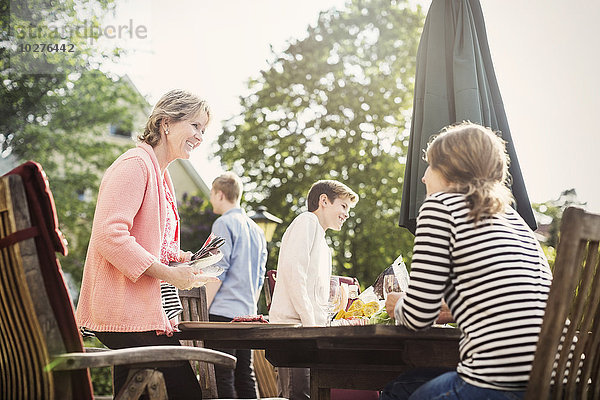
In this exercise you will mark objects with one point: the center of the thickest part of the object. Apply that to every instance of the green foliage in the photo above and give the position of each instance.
(549, 216)
(335, 105)
(101, 377)
(381, 317)
(196, 221)
(29, 77)
(56, 109)
(70, 141)
(60, 116)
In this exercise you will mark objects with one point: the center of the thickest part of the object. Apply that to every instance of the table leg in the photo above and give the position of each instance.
(316, 391)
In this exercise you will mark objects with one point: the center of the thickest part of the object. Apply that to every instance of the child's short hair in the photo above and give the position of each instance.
(231, 186)
(333, 189)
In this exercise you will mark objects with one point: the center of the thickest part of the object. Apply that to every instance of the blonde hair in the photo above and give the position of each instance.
(333, 190)
(231, 186)
(177, 105)
(474, 161)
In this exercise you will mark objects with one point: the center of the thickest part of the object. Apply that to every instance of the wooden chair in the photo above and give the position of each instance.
(195, 309)
(41, 353)
(269, 286)
(574, 296)
(266, 377)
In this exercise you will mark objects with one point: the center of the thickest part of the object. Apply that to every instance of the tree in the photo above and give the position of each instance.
(197, 219)
(30, 77)
(335, 105)
(58, 114)
(57, 107)
(549, 216)
(71, 144)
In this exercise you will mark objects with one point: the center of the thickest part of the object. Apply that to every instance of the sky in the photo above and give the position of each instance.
(545, 53)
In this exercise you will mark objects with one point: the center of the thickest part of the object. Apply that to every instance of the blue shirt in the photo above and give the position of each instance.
(244, 260)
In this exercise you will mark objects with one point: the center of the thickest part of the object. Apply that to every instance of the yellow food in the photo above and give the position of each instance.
(358, 309)
(354, 313)
(358, 304)
(370, 308)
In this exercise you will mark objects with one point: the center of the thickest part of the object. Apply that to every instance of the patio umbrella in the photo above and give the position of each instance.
(455, 82)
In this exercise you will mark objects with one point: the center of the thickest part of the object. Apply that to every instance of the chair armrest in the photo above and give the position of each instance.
(95, 349)
(149, 356)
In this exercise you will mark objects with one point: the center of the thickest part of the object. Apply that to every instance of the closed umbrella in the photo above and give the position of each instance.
(455, 82)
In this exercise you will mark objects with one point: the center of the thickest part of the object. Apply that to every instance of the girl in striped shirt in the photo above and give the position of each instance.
(473, 252)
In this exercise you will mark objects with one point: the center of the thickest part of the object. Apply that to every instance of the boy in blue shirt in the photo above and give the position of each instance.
(244, 260)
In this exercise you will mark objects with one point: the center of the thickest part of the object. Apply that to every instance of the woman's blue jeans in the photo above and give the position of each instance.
(447, 386)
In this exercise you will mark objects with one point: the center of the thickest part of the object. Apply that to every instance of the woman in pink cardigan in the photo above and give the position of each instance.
(135, 235)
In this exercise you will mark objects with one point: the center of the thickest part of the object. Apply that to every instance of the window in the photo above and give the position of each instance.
(119, 130)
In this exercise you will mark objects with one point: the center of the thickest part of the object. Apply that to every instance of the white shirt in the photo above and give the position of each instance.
(303, 272)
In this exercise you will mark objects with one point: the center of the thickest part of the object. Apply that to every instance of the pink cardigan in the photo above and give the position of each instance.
(126, 237)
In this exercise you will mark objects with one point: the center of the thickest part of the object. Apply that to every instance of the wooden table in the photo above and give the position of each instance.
(346, 357)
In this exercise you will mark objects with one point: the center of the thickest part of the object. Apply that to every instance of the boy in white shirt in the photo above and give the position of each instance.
(304, 270)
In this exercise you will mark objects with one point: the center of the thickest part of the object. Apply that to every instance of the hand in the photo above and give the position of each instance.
(445, 314)
(201, 279)
(190, 277)
(185, 256)
(391, 300)
(181, 276)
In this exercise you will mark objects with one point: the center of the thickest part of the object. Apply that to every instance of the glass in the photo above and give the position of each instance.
(334, 300)
(390, 284)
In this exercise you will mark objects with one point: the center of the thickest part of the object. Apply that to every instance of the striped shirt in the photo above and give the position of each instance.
(495, 279)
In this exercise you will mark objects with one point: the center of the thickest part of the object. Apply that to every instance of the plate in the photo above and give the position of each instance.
(231, 325)
(211, 271)
(205, 263)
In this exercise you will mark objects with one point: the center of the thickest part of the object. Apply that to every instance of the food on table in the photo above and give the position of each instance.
(251, 318)
(358, 309)
(356, 305)
(358, 312)
(352, 295)
(381, 317)
(370, 308)
(354, 321)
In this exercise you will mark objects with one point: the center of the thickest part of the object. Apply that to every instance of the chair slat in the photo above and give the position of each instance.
(195, 309)
(573, 297)
(589, 301)
(22, 336)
